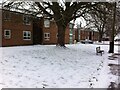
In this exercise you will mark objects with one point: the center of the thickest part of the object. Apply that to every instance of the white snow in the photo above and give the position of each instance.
(106, 42)
(76, 66)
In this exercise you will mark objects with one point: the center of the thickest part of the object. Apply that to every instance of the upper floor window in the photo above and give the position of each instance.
(7, 34)
(7, 15)
(26, 35)
(46, 36)
(46, 23)
(26, 20)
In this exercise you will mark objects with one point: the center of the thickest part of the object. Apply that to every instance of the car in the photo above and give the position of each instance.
(117, 39)
(87, 41)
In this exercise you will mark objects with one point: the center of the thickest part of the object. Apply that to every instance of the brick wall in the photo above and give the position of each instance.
(85, 34)
(17, 26)
(53, 33)
(0, 27)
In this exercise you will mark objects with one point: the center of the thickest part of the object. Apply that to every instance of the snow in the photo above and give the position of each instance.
(49, 66)
(107, 42)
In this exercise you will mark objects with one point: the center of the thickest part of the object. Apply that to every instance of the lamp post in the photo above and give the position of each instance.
(0, 27)
(71, 25)
(78, 28)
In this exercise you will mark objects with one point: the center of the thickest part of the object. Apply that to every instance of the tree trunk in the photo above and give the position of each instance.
(111, 47)
(100, 37)
(61, 36)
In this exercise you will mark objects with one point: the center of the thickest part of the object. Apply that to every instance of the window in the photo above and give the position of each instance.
(26, 20)
(46, 36)
(7, 15)
(7, 34)
(26, 35)
(46, 23)
(57, 35)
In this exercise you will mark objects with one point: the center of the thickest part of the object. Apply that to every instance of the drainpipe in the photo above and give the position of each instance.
(0, 27)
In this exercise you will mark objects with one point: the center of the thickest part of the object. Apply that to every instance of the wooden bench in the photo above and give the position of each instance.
(99, 51)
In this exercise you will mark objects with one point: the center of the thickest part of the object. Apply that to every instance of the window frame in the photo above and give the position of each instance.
(25, 20)
(27, 35)
(47, 25)
(46, 36)
(7, 36)
(56, 35)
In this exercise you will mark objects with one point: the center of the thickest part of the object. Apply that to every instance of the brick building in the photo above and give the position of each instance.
(83, 33)
(23, 29)
(50, 33)
(17, 29)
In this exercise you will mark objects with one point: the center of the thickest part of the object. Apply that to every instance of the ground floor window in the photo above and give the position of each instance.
(46, 36)
(7, 34)
(57, 35)
(27, 35)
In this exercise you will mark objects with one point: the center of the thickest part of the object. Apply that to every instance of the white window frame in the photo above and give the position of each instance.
(27, 37)
(56, 35)
(46, 23)
(25, 20)
(46, 36)
(7, 36)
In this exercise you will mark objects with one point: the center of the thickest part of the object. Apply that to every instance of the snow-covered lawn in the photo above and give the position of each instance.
(49, 66)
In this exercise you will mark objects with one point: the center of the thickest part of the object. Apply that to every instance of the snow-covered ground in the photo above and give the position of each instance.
(107, 42)
(49, 66)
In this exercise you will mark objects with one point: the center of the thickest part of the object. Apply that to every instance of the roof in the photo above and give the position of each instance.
(87, 29)
(21, 11)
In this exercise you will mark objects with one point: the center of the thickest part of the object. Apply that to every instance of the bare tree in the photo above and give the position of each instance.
(97, 19)
(62, 12)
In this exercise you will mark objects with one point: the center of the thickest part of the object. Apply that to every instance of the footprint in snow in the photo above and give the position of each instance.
(44, 58)
(91, 85)
(2, 83)
(38, 76)
(19, 75)
(51, 63)
(10, 73)
(27, 62)
(25, 66)
(44, 85)
(2, 63)
(98, 69)
(62, 77)
(6, 61)
(14, 66)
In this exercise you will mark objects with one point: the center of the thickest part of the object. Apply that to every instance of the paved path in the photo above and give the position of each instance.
(115, 70)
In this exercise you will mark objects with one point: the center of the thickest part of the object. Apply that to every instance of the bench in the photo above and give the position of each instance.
(99, 51)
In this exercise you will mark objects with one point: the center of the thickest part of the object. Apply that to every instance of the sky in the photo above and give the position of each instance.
(0, 2)
(78, 20)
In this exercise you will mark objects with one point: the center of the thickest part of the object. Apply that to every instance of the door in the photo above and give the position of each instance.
(37, 34)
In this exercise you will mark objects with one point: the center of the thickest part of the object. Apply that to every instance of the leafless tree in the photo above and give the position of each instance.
(97, 19)
(61, 10)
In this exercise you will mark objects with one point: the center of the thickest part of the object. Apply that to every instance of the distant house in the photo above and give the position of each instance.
(83, 33)
(23, 29)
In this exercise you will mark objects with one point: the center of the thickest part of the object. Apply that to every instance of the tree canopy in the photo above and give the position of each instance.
(62, 11)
